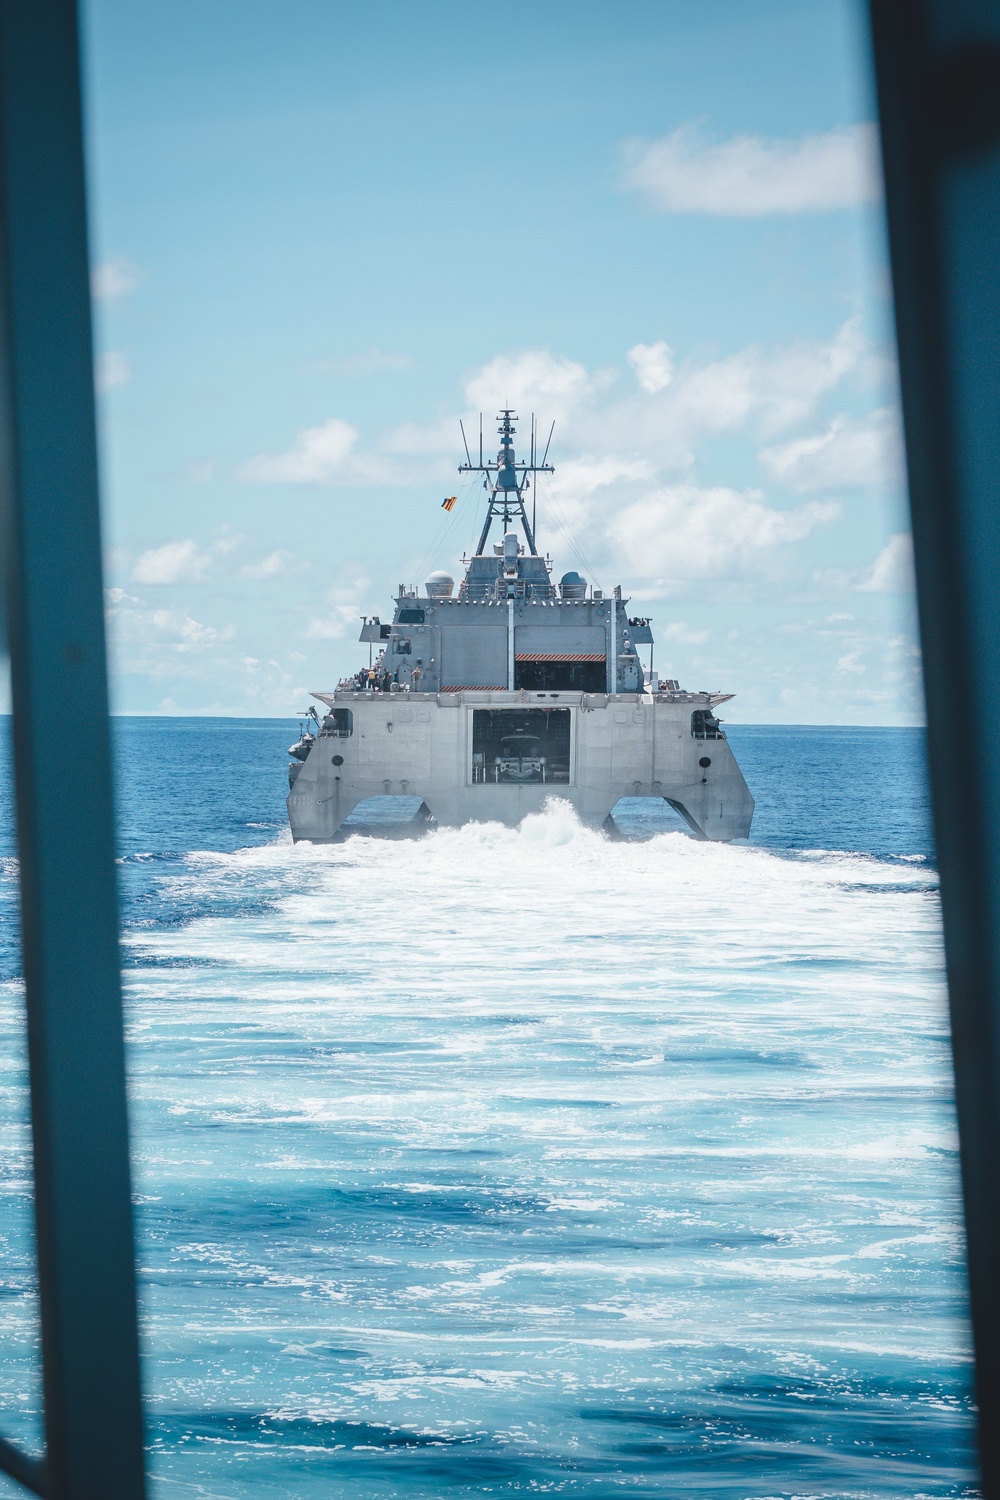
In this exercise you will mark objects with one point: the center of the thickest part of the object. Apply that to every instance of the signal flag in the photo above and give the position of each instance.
(448, 504)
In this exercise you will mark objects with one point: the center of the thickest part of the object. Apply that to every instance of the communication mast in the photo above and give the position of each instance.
(507, 480)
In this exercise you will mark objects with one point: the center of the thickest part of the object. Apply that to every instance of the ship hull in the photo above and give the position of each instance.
(609, 746)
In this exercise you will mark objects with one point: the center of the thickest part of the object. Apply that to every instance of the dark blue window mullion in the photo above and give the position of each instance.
(69, 912)
(938, 74)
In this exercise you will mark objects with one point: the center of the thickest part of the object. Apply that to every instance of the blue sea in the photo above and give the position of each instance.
(533, 1161)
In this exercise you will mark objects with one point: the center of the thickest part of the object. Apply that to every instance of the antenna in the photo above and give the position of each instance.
(506, 480)
(465, 441)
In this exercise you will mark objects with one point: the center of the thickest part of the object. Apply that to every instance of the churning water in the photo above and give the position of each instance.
(526, 1161)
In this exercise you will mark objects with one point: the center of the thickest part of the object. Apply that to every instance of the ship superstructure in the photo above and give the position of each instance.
(487, 700)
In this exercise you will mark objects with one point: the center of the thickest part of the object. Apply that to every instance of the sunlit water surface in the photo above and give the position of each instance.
(527, 1160)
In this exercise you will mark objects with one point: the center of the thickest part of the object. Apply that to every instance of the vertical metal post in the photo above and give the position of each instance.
(938, 75)
(613, 642)
(52, 559)
(510, 645)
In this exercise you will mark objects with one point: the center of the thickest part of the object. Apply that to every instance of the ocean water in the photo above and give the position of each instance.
(531, 1161)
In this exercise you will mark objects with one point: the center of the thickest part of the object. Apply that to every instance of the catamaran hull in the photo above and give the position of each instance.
(422, 745)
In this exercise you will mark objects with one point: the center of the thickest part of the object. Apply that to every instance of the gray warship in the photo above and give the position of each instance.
(484, 703)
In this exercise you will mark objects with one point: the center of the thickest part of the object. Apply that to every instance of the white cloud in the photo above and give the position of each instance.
(679, 633)
(626, 491)
(749, 176)
(322, 455)
(683, 532)
(532, 380)
(333, 626)
(892, 570)
(344, 615)
(189, 634)
(111, 368)
(115, 278)
(174, 562)
(653, 364)
(780, 389)
(851, 663)
(767, 392)
(152, 639)
(267, 567)
(850, 451)
(226, 540)
(317, 456)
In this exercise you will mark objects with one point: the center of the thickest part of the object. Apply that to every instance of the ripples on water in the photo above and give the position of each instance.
(527, 1161)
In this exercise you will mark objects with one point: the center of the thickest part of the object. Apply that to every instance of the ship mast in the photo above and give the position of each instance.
(507, 480)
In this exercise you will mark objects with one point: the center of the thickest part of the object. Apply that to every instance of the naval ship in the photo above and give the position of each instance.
(486, 702)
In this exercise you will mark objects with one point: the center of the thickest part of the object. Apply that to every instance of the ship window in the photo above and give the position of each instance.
(339, 723)
(401, 645)
(410, 617)
(512, 747)
(581, 676)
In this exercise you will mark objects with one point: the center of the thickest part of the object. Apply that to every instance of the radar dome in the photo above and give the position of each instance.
(440, 585)
(572, 586)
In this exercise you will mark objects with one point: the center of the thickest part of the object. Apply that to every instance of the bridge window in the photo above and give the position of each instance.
(410, 617)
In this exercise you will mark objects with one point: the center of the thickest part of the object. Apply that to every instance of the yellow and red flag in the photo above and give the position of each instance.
(447, 504)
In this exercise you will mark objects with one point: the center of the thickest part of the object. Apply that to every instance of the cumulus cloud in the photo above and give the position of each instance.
(226, 540)
(343, 615)
(749, 176)
(334, 625)
(679, 405)
(683, 532)
(653, 365)
(626, 489)
(764, 392)
(189, 656)
(111, 368)
(322, 455)
(779, 388)
(152, 640)
(679, 633)
(267, 567)
(114, 278)
(174, 562)
(849, 452)
(892, 570)
(317, 456)
(188, 634)
(533, 380)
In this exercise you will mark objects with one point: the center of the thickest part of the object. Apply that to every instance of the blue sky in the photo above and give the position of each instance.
(322, 233)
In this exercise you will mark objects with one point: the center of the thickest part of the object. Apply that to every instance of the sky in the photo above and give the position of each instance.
(323, 233)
